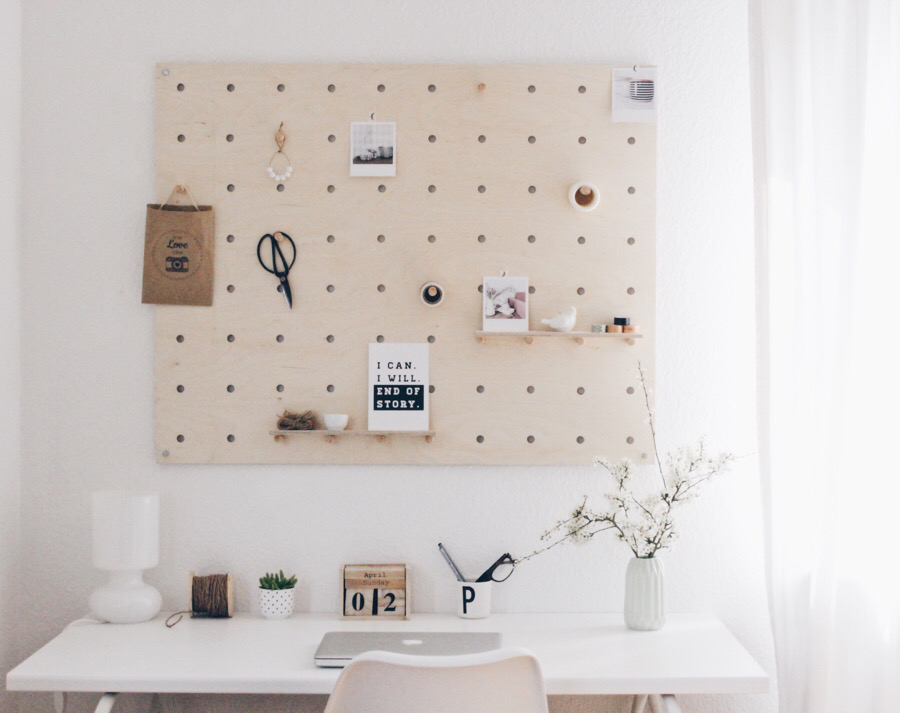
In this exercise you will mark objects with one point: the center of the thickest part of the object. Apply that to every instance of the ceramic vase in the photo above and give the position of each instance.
(276, 603)
(645, 594)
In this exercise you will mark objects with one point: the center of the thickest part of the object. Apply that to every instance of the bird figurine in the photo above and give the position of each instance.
(563, 322)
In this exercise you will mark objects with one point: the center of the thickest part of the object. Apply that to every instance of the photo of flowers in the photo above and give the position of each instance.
(505, 304)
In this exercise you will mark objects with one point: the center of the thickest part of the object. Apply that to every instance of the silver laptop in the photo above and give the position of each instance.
(338, 647)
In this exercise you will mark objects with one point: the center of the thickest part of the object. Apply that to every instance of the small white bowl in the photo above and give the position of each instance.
(336, 421)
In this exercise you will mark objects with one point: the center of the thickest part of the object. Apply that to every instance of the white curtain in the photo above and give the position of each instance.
(826, 104)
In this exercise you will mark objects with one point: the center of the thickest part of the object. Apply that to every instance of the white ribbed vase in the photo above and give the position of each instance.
(645, 594)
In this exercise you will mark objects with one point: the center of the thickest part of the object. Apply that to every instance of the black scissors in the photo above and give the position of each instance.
(280, 267)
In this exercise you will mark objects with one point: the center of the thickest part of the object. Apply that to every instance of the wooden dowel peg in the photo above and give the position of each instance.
(429, 439)
(529, 340)
(579, 340)
(279, 439)
(482, 86)
(630, 342)
(332, 439)
(381, 439)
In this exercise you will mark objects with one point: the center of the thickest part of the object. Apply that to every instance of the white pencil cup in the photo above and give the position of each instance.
(474, 600)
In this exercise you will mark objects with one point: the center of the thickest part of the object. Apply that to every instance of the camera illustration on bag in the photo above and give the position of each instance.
(177, 263)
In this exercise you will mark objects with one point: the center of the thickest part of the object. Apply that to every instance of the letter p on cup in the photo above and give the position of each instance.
(474, 599)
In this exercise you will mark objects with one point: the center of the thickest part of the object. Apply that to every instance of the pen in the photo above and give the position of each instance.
(451, 563)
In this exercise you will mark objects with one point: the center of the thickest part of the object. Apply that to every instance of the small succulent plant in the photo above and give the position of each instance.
(277, 581)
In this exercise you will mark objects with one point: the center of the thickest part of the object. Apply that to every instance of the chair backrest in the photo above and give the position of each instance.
(504, 681)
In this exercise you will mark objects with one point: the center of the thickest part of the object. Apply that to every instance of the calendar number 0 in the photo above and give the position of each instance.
(358, 602)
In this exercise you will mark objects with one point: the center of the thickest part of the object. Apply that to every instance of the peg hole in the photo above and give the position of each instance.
(481, 288)
(280, 87)
(279, 388)
(229, 138)
(181, 138)
(432, 238)
(531, 89)
(532, 189)
(479, 389)
(432, 88)
(279, 338)
(581, 240)
(532, 139)
(229, 238)
(481, 238)
(382, 188)
(582, 140)
(179, 438)
(582, 89)
(230, 438)
(230, 337)
(179, 338)
(431, 388)
(631, 190)
(432, 138)
(532, 289)
(479, 439)
(580, 391)
(380, 238)
(331, 88)
(431, 339)
(180, 87)
(630, 139)
(231, 188)
(530, 439)
(629, 440)
(630, 290)
(330, 288)
(580, 290)
(579, 440)
(481, 189)
(330, 339)
(330, 239)
(180, 388)
(630, 241)
(280, 187)
(381, 288)
(165, 454)
(531, 239)
(629, 390)
(230, 388)
(230, 288)
(331, 189)
(530, 389)
(330, 388)
(379, 338)
(380, 87)
(331, 138)
(230, 87)
(432, 188)
(482, 139)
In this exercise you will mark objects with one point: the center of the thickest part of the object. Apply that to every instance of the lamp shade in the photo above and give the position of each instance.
(126, 530)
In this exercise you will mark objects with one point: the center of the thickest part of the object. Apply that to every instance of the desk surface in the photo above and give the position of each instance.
(581, 654)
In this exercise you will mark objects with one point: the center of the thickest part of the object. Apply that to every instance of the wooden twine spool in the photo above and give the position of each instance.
(211, 596)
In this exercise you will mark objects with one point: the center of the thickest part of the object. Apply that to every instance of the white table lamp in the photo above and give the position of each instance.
(126, 542)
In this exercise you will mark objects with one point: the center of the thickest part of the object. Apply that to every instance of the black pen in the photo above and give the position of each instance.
(451, 563)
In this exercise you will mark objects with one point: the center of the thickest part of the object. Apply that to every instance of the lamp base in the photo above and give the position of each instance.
(126, 599)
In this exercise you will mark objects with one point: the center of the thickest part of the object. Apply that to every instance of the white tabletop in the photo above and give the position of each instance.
(581, 654)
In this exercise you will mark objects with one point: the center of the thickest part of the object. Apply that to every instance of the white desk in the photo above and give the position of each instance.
(581, 654)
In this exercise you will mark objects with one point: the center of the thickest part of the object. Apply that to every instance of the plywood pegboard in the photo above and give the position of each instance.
(224, 373)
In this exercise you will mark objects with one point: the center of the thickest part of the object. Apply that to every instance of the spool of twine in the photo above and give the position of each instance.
(212, 596)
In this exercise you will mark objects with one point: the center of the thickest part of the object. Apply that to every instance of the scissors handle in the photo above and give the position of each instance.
(277, 254)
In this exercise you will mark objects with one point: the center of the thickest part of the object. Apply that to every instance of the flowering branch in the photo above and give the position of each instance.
(646, 524)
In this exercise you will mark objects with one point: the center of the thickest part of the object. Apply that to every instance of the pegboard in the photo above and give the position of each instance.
(485, 159)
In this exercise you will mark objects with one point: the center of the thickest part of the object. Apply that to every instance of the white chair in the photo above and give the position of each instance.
(504, 681)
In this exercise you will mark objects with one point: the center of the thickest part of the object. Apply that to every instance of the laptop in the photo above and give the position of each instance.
(337, 648)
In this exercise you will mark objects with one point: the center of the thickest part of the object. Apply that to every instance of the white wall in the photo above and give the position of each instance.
(10, 373)
(88, 100)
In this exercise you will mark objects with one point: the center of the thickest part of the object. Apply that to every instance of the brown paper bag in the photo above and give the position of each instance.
(178, 255)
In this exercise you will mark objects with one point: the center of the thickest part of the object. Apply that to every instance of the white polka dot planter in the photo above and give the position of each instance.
(276, 603)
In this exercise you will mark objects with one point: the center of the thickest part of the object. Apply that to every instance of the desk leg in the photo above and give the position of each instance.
(639, 703)
(107, 701)
(60, 701)
(664, 703)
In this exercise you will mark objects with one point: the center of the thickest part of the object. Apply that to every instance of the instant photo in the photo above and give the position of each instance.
(373, 148)
(505, 304)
